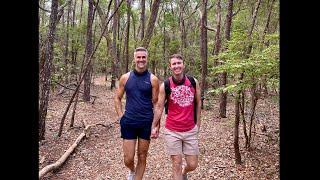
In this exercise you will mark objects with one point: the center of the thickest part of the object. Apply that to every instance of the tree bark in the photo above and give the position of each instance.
(142, 19)
(66, 50)
(203, 49)
(183, 34)
(114, 49)
(236, 129)
(74, 49)
(88, 52)
(242, 108)
(217, 39)
(45, 75)
(223, 76)
(164, 43)
(151, 22)
(126, 42)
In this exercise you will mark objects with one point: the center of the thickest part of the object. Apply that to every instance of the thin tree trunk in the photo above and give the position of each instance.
(114, 49)
(151, 22)
(217, 38)
(142, 19)
(254, 100)
(46, 73)
(134, 30)
(74, 50)
(182, 27)
(236, 129)
(164, 43)
(88, 52)
(266, 30)
(66, 51)
(242, 108)
(103, 19)
(203, 49)
(223, 76)
(126, 42)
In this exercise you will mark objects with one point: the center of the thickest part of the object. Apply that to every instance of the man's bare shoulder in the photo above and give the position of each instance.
(124, 78)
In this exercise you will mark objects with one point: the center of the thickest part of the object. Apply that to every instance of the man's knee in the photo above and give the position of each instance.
(192, 164)
(176, 162)
(128, 160)
(142, 156)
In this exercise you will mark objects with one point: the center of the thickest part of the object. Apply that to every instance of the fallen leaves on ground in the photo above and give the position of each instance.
(100, 156)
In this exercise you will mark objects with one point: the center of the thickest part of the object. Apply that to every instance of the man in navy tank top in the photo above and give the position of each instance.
(141, 88)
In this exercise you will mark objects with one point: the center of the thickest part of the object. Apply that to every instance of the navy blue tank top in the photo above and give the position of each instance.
(139, 106)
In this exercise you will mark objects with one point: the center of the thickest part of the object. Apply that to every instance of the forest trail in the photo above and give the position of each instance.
(100, 155)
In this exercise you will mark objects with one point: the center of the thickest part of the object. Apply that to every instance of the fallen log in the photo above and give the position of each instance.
(64, 157)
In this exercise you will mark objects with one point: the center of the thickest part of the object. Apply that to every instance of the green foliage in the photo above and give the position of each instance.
(258, 65)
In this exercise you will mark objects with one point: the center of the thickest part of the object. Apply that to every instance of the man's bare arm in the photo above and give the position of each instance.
(198, 102)
(119, 94)
(155, 89)
(159, 107)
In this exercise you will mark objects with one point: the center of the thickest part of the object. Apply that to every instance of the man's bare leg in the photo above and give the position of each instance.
(128, 152)
(176, 166)
(192, 163)
(143, 147)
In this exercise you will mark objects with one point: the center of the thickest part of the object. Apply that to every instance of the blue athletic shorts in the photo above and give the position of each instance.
(131, 130)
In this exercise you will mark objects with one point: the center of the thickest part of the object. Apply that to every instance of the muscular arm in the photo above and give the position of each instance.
(159, 107)
(119, 94)
(198, 101)
(155, 89)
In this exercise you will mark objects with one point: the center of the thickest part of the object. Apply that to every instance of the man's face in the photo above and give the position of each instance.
(141, 59)
(176, 66)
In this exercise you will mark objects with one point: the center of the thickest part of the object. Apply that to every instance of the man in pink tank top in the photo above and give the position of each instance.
(181, 131)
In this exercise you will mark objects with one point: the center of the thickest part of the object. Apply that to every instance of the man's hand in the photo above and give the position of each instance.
(154, 133)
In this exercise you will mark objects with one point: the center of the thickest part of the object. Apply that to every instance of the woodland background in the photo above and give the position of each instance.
(230, 46)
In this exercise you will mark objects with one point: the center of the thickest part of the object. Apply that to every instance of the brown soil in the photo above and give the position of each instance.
(99, 156)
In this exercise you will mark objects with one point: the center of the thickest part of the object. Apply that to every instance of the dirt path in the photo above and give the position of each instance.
(100, 155)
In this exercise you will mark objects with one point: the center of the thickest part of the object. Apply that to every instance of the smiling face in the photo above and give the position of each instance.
(141, 60)
(176, 66)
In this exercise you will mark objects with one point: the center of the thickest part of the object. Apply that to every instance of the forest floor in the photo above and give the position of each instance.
(99, 156)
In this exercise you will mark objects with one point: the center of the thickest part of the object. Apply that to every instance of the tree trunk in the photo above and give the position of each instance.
(236, 129)
(114, 49)
(254, 100)
(242, 108)
(217, 39)
(126, 42)
(183, 34)
(142, 19)
(266, 43)
(134, 30)
(74, 49)
(223, 76)
(203, 49)
(89, 48)
(66, 51)
(45, 80)
(151, 22)
(164, 44)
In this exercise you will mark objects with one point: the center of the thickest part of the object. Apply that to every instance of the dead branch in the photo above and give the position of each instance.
(65, 156)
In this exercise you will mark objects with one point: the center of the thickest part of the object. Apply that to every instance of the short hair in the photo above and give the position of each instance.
(140, 49)
(178, 56)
